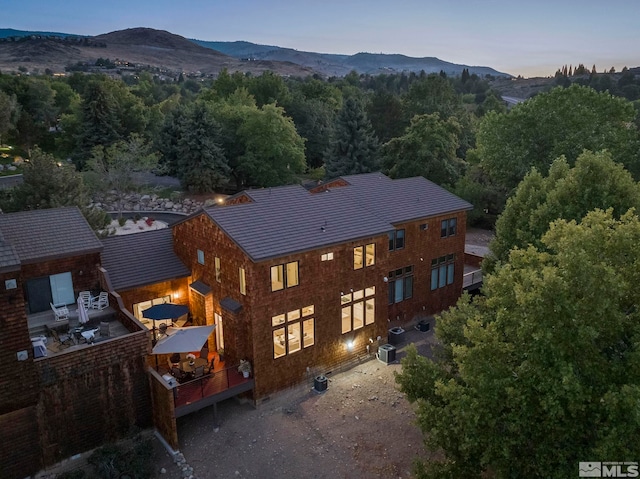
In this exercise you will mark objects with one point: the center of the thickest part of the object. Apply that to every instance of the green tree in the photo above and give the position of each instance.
(596, 181)
(428, 148)
(49, 183)
(432, 94)
(112, 168)
(99, 122)
(268, 88)
(543, 371)
(354, 147)
(564, 121)
(386, 113)
(274, 152)
(9, 113)
(191, 147)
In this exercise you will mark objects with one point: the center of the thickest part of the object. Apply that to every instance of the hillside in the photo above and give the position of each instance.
(339, 65)
(147, 47)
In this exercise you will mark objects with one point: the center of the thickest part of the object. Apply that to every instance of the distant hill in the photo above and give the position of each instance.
(10, 32)
(339, 65)
(172, 53)
(141, 47)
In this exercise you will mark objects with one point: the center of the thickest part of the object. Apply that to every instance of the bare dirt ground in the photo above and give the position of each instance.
(360, 427)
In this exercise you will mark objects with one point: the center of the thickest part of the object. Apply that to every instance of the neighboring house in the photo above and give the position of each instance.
(76, 399)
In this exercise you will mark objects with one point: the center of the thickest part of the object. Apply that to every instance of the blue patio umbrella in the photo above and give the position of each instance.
(165, 311)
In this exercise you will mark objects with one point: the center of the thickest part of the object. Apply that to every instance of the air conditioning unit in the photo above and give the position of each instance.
(387, 353)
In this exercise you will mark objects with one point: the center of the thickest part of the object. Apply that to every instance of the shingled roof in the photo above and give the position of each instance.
(289, 219)
(41, 235)
(141, 258)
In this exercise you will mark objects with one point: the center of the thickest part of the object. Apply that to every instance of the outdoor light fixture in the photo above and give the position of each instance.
(349, 345)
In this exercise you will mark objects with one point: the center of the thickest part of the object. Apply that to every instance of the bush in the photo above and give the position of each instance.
(118, 460)
(122, 221)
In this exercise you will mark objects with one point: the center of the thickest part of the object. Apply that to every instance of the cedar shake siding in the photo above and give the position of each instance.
(69, 402)
(260, 229)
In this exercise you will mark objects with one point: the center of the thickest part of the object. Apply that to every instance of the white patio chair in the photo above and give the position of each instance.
(85, 298)
(101, 302)
(61, 312)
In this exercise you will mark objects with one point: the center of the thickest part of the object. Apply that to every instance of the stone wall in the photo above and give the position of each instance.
(144, 202)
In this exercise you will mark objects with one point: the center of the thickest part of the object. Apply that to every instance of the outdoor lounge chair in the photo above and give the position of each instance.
(85, 298)
(100, 302)
(61, 312)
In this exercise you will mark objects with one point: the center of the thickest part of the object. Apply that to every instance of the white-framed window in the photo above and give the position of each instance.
(327, 257)
(358, 309)
(200, 254)
(293, 331)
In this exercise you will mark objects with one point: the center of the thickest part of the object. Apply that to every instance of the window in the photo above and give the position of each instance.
(200, 256)
(400, 284)
(448, 227)
(442, 271)
(364, 256)
(293, 331)
(243, 282)
(396, 240)
(358, 309)
(216, 262)
(284, 275)
(327, 257)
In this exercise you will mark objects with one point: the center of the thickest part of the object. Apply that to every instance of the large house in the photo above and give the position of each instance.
(297, 281)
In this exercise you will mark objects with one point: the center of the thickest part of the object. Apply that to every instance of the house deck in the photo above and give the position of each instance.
(39, 323)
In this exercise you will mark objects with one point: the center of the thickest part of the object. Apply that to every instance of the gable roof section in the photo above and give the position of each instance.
(401, 200)
(289, 219)
(40, 235)
(141, 258)
(9, 260)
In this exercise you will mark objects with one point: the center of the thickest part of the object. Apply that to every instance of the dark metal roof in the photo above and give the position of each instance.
(401, 200)
(290, 219)
(141, 258)
(200, 287)
(230, 304)
(10, 181)
(40, 235)
(9, 260)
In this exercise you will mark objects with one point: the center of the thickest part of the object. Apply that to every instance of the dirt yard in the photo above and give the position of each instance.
(360, 427)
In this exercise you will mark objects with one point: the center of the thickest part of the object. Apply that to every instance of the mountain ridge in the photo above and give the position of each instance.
(167, 51)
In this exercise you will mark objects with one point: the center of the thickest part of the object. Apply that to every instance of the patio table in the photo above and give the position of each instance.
(188, 368)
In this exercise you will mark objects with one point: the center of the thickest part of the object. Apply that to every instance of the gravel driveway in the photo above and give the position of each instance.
(360, 427)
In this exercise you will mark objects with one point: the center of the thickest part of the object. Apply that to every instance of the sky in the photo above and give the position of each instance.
(532, 38)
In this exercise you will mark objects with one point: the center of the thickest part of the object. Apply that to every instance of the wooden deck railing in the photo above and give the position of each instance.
(209, 389)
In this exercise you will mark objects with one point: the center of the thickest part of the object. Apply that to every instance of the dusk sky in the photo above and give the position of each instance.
(529, 39)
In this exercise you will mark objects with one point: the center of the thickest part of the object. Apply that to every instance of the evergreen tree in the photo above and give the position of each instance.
(190, 142)
(354, 148)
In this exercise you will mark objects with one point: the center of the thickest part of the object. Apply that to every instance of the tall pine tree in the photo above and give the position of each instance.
(354, 148)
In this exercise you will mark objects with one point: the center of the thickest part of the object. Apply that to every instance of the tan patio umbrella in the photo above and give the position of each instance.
(183, 340)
